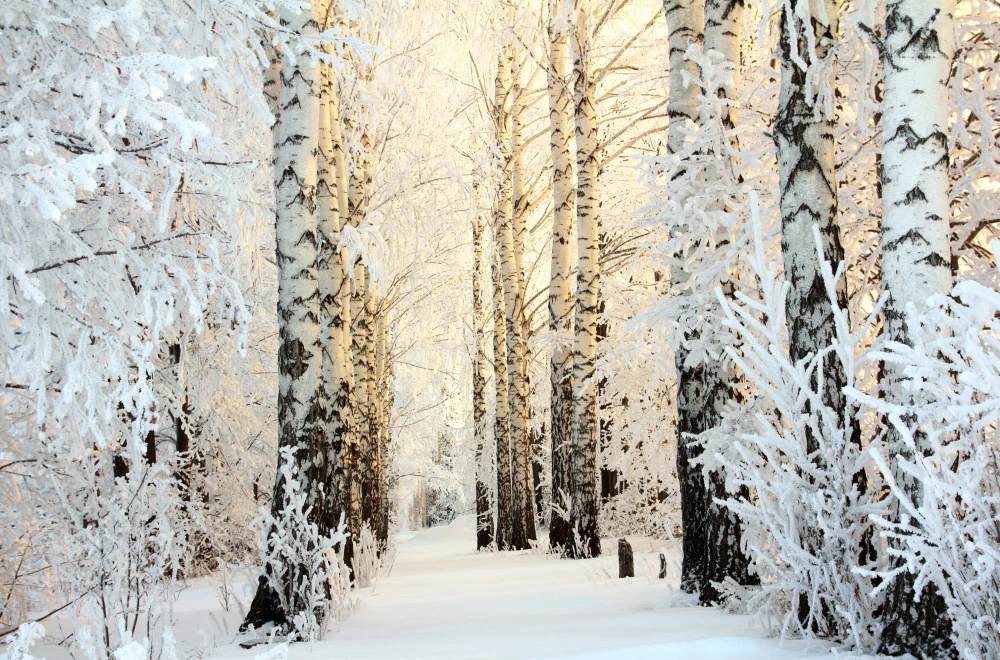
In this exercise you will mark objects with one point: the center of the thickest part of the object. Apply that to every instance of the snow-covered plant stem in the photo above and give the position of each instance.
(560, 291)
(583, 516)
(918, 46)
(300, 410)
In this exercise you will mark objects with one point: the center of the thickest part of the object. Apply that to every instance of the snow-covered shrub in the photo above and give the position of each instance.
(123, 550)
(807, 520)
(19, 644)
(339, 580)
(295, 554)
(366, 560)
(949, 530)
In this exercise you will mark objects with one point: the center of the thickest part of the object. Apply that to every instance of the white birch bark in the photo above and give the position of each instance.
(383, 374)
(724, 559)
(363, 346)
(353, 495)
(501, 422)
(809, 193)
(917, 52)
(344, 397)
(685, 22)
(560, 290)
(583, 517)
(523, 487)
(331, 285)
(484, 510)
(300, 362)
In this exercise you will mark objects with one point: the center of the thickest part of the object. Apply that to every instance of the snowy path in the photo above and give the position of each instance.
(442, 600)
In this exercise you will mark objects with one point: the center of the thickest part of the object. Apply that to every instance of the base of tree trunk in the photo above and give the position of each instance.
(723, 552)
(265, 608)
(626, 559)
(663, 567)
(921, 628)
(559, 536)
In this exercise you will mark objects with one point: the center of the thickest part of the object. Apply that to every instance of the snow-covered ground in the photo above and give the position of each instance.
(443, 600)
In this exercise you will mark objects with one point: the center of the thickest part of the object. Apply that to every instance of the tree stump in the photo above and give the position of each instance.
(663, 566)
(626, 561)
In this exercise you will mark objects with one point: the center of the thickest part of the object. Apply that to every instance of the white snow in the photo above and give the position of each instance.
(443, 600)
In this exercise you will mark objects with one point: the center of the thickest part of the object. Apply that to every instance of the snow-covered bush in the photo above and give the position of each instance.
(19, 644)
(296, 555)
(366, 560)
(949, 530)
(807, 521)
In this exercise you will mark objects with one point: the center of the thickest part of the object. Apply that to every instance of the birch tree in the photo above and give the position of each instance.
(725, 560)
(300, 361)
(522, 448)
(583, 516)
(560, 295)
(501, 421)
(917, 47)
(697, 385)
(484, 509)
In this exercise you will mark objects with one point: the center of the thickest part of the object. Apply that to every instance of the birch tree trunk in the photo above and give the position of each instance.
(333, 284)
(383, 410)
(501, 424)
(697, 388)
(809, 198)
(300, 362)
(583, 516)
(516, 396)
(359, 332)
(484, 511)
(363, 345)
(560, 293)
(724, 556)
(370, 465)
(520, 398)
(917, 52)
(342, 397)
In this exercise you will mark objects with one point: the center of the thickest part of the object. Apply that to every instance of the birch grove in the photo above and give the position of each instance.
(711, 284)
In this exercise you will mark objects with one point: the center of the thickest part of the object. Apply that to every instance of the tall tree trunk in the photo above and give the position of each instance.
(560, 292)
(344, 397)
(383, 409)
(332, 285)
(523, 490)
(917, 52)
(501, 424)
(484, 511)
(724, 558)
(583, 517)
(516, 398)
(370, 465)
(357, 204)
(696, 385)
(809, 198)
(300, 362)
